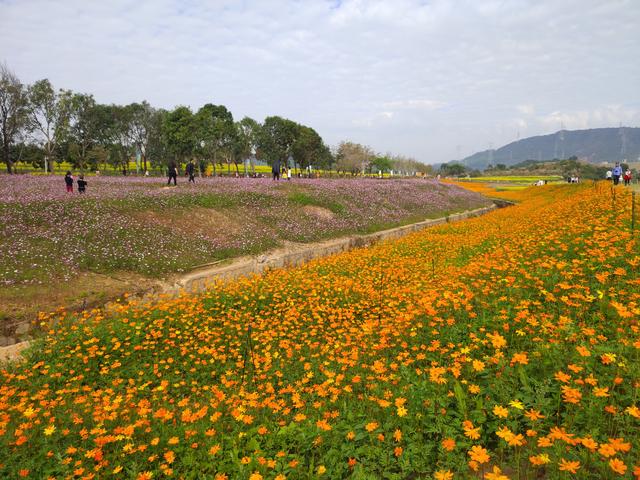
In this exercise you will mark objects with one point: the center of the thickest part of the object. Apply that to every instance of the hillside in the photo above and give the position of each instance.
(594, 145)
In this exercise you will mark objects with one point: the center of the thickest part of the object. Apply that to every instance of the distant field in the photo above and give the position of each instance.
(125, 232)
(513, 179)
(133, 169)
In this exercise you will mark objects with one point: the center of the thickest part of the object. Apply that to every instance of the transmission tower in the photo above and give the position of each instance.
(623, 142)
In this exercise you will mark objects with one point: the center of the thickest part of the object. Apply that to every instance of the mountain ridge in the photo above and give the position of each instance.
(594, 145)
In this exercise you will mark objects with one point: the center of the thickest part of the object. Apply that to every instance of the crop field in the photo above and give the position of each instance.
(501, 347)
(527, 180)
(126, 232)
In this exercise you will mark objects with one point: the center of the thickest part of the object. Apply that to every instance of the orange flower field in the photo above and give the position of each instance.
(505, 346)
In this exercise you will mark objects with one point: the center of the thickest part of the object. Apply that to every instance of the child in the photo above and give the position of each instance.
(82, 184)
(68, 179)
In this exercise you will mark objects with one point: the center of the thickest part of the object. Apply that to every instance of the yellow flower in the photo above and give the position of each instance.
(517, 404)
(49, 430)
(402, 412)
(321, 469)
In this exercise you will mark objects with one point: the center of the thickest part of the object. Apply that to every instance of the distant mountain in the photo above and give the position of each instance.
(594, 145)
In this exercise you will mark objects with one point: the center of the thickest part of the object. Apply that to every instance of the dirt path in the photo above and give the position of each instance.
(291, 254)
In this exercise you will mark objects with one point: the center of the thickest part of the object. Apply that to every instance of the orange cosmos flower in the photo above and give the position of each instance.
(500, 411)
(495, 474)
(371, 426)
(470, 431)
(443, 475)
(571, 467)
(617, 466)
(448, 444)
(571, 395)
(533, 415)
(479, 454)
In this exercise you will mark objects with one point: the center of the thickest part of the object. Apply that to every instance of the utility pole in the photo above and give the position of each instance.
(623, 142)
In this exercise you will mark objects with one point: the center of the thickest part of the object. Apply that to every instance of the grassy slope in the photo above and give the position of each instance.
(84, 251)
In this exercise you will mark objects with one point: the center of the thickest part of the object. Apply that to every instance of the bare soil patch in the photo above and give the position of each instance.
(319, 212)
(195, 221)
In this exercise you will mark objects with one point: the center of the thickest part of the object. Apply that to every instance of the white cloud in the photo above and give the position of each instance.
(527, 109)
(606, 116)
(418, 104)
(426, 79)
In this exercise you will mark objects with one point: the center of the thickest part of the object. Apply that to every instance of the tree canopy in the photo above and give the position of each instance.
(48, 126)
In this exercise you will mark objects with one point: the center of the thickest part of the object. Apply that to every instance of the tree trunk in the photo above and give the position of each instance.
(7, 160)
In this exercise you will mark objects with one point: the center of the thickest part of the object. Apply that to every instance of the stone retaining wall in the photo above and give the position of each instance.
(301, 253)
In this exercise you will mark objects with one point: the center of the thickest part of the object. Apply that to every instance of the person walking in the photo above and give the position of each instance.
(173, 173)
(68, 180)
(191, 172)
(275, 170)
(616, 173)
(82, 184)
(608, 175)
(627, 177)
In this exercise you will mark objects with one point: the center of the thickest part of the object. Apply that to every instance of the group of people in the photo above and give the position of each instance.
(172, 173)
(278, 172)
(616, 174)
(82, 183)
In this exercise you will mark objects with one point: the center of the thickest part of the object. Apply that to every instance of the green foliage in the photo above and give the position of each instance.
(276, 138)
(180, 132)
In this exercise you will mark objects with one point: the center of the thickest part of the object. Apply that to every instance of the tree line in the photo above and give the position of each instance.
(43, 126)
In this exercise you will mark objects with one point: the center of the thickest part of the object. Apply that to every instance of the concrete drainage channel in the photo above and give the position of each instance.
(289, 256)
(301, 253)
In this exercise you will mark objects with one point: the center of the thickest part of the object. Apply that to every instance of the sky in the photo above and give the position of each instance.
(435, 80)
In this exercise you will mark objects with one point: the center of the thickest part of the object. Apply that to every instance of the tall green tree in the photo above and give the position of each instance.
(49, 113)
(248, 131)
(382, 163)
(13, 112)
(115, 126)
(142, 128)
(308, 149)
(277, 136)
(215, 133)
(180, 133)
(85, 126)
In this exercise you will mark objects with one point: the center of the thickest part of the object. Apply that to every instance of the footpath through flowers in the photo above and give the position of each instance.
(505, 346)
